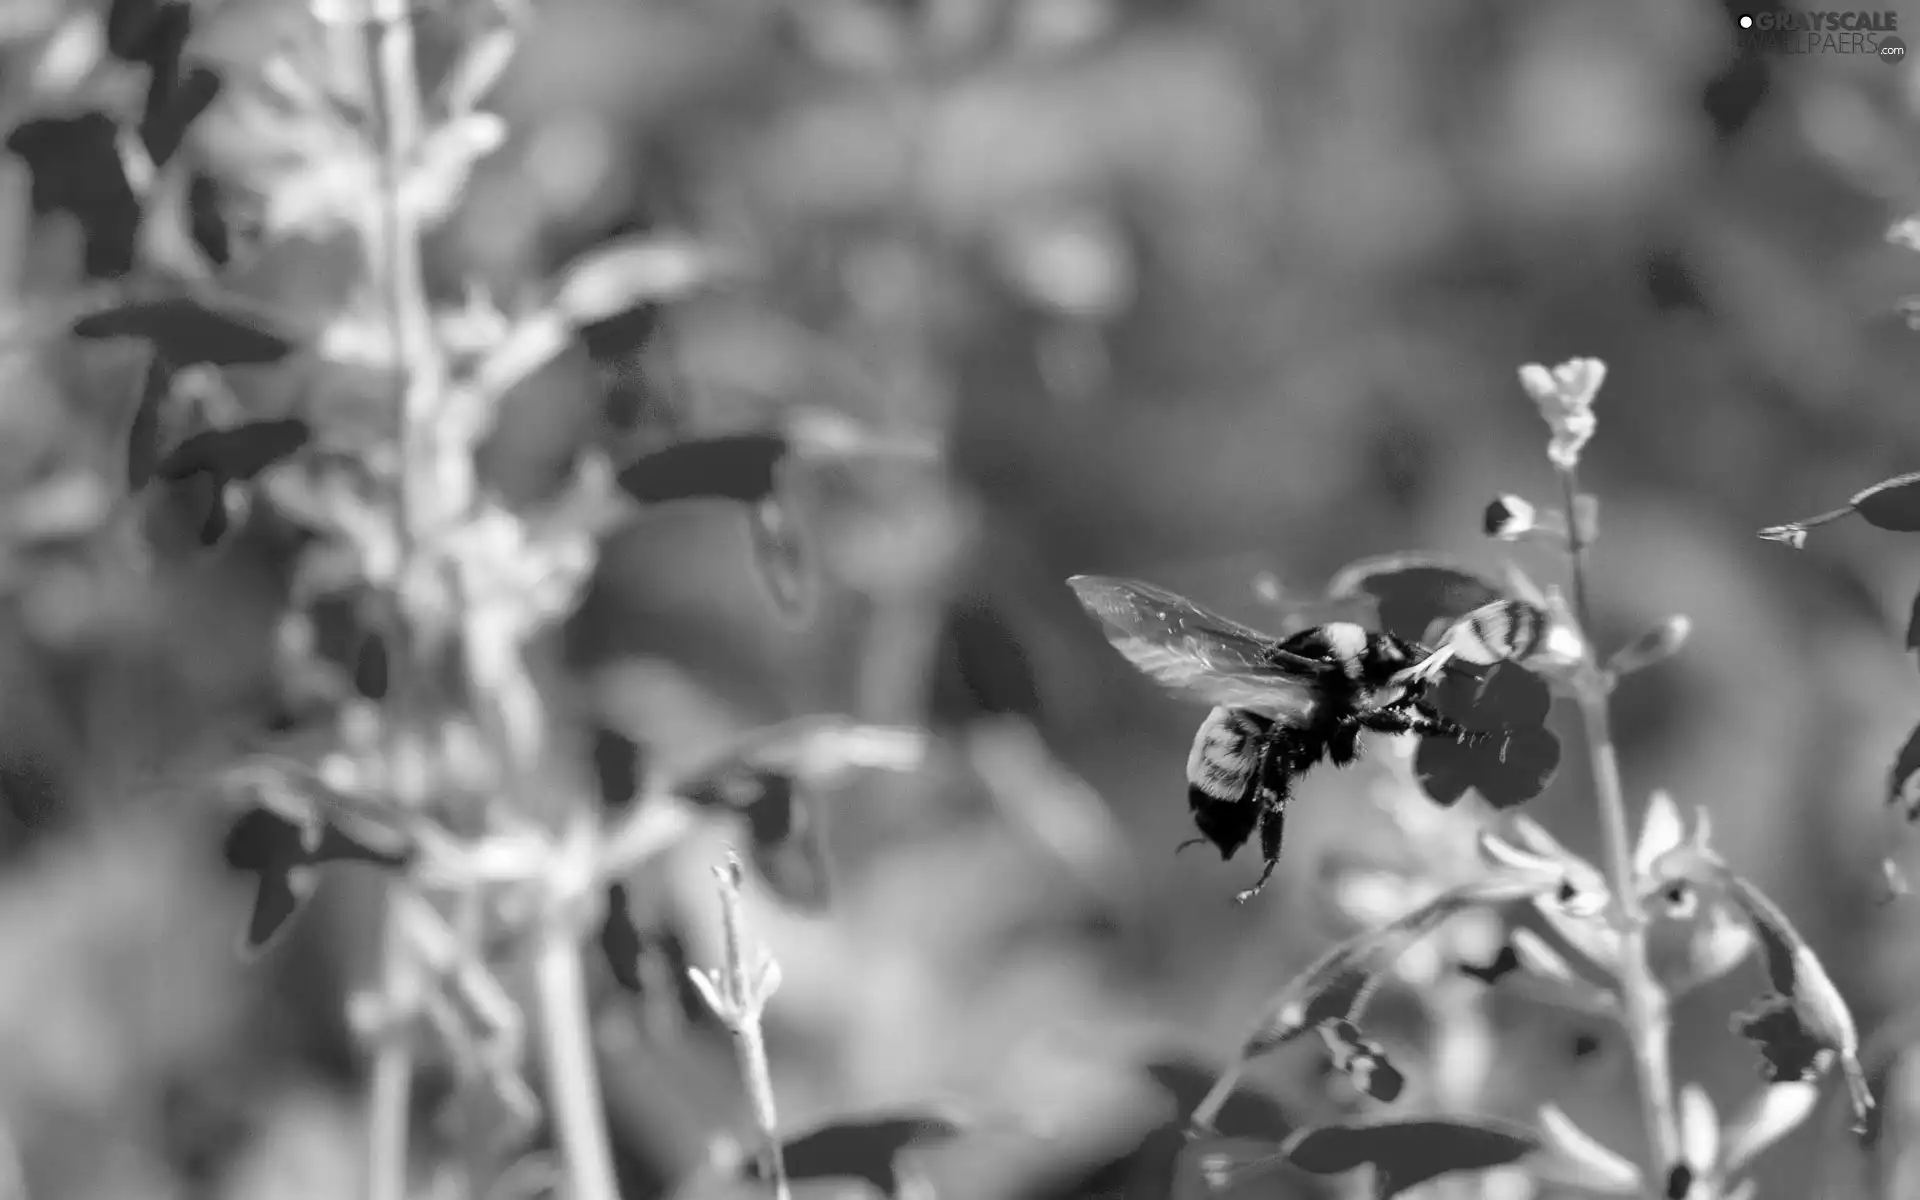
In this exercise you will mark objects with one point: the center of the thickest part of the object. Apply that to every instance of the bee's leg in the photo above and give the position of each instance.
(1276, 789)
(1343, 743)
(1395, 720)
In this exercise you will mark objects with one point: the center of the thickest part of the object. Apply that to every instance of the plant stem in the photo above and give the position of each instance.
(573, 1077)
(744, 1000)
(1643, 1009)
(395, 260)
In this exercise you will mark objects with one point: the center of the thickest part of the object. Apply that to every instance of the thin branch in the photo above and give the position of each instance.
(397, 264)
(573, 1078)
(738, 995)
(1644, 1007)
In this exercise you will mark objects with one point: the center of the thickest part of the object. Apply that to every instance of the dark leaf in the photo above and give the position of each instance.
(1245, 1114)
(150, 33)
(1808, 1010)
(1504, 964)
(1406, 1154)
(1903, 783)
(265, 841)
(1913, 625)
(76, 169)
(1789, 1051)
(1412, 591)
(1892, 504)
(277, 899)
(983, 660)
(616, 767)
(1363, 1061)
(143, 438)
(620, 940)
(370, 667)
(777, 552)
(1509, 768)
(795, 868)
(740, 467)
(172, 105)
(190, 331)
(207, 219)
(237, 452)
(624, 333)
(864, 1147)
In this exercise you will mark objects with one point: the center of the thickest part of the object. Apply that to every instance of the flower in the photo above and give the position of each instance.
(1713, 1155)
(1509, 517)
(1565, 396)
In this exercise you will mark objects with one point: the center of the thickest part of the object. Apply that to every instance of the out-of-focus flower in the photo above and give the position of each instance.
(1565, 396)
(1509, 517)
(1713, 1155)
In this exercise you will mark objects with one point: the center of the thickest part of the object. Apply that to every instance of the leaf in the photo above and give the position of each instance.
(1913, 625)
(1363, 1061)
(1244, 1114)
(370, 667)
(616, 767)
(237, 452)
(143, 437)
(620, 940)
(794, 864)
(983, 667)
(864, 1147)
(281, 853)
(1903, 784)
(1505, 963)
(278, 898)
(75, 167)
(1508, 769)
(173, 104)
(777, 552)
(190, 331)
(1892, 504)
(740, 467)
(147, 32)
(1807, 1024)
(1406, 1154)
(1412, 591)
(630, 272)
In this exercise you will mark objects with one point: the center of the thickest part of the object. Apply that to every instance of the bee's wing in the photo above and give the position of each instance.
(1202, 654)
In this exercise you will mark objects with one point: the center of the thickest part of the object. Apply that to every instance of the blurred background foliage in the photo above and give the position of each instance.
(1197, 293)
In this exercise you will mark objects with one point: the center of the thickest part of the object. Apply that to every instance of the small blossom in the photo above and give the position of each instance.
(1565, 397)
(1509, 518)
(1905, 232)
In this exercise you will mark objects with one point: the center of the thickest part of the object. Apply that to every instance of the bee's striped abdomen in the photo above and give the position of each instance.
(1499, 632)
(1223, 777)
(1226, 754)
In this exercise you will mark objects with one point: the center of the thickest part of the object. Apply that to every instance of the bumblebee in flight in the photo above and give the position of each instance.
(1280, 706)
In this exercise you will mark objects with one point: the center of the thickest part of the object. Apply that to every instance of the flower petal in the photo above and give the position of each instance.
(1699, 1129)
(1660, 831)
(1771, 1115)
(1594, 1166)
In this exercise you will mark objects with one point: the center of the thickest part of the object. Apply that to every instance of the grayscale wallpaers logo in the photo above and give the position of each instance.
(1864, 33)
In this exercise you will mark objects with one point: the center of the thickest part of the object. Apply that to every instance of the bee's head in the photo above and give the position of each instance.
(1384, 656)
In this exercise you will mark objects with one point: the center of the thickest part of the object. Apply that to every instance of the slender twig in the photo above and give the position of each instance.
(573, 1078)
(738, 995)
(396, 253)
(1644, 1007)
